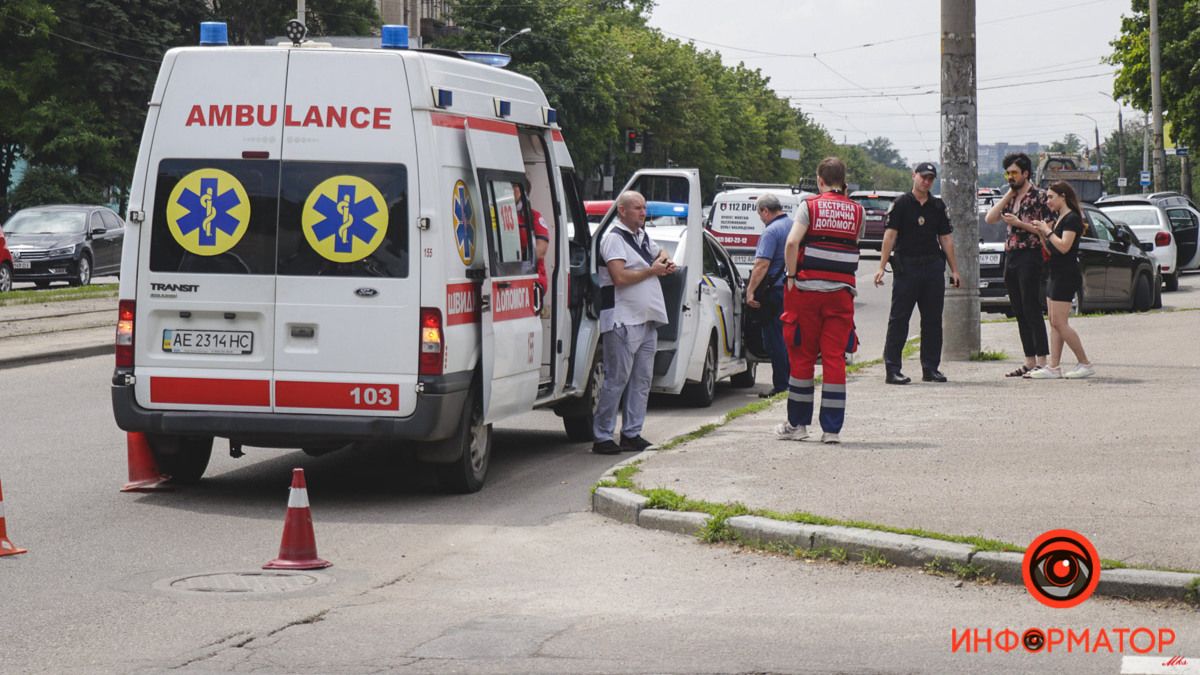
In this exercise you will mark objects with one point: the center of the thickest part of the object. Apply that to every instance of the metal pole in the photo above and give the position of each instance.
(1185, 175)
(1160, 160)
(960, 162)
(1121, 148)
(300, 11)
(1145, 142)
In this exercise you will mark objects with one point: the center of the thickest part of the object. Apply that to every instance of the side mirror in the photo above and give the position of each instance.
(1122, 236)
(97, 231)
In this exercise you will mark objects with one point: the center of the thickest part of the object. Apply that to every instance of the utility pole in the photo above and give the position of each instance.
(960, 163)
(1121, 148)
(1145, 142)
(1160, 160)
(300, 11)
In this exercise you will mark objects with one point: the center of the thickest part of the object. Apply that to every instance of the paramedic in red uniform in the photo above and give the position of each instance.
(821, 255)
(540, 234)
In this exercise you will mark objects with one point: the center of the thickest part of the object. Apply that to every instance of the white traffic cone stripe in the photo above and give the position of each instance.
(298, 499)
(6, 545)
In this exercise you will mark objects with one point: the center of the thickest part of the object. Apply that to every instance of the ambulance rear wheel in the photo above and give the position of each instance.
(474, 441)
(745, 379)
(579, 427)
(183, 458)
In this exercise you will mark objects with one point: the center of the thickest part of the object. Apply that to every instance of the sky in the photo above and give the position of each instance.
(813, 53)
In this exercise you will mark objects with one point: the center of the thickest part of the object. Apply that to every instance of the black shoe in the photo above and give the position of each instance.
(769, 394)
(897, 378)
(606, 448)
(634, 443)
(933, 376)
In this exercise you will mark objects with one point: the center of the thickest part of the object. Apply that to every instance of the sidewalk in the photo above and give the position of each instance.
(53, 331)
(1113, 457)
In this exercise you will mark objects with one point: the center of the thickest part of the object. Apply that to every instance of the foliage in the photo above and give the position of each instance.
(1132, 143)
(45, 184)
(880, 149)
(25, 59)
(252, 22)
(1070, 144)
(1179, 42)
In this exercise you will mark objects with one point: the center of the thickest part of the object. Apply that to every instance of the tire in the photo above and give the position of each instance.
(1077, 306)
(702, 393)
(745, 379)
(183, 458)
(468, 473)
(579, 427)
(83, 275)
(1171, 282)
(1157, 304)
(42, 285)
(1143, 298)
(5, 277)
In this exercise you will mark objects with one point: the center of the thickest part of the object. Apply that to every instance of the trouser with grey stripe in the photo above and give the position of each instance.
(821, 325)
(628, 369)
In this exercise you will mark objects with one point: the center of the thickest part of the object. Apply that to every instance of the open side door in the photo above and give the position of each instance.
(512, 329)
(681, 290)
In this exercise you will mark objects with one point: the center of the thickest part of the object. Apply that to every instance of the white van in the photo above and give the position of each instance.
(733, 218)
(324, 248)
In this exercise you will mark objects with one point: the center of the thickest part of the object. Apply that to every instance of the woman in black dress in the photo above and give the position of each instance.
(1062, 240)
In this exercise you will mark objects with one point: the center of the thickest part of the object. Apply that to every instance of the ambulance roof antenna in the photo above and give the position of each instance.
(295, 31)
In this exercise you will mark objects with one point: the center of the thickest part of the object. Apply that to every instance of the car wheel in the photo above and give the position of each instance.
(1157, 304)
(467, 473)
(83, 276)
(183, 458)
(579, 427)
(5, 277)
(745, 379)
(702, 393)
(1077, 306)
(1171, 282)
(1143, 298)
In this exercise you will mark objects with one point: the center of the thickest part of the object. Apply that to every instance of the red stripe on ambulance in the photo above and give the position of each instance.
(210, 391)
(337, 395)
(477, 123)
(512, 299)
(462, 304)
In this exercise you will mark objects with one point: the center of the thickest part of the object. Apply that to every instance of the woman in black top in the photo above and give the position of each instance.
(1062, 240)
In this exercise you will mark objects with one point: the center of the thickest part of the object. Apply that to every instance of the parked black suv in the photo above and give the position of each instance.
(64, 243)
(1117, 273)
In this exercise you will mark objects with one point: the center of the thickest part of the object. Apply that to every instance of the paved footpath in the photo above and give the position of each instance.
(1114, 457)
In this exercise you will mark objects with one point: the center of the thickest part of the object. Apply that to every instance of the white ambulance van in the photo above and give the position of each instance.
(733, 218)
(324, 248)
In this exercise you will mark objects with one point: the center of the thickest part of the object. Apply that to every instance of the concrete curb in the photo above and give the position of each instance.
(899, 549)
(56, 355)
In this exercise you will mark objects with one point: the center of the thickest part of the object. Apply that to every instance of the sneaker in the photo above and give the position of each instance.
(1046, 373)
(787, 432)
(635, 443)
(606, 448)
(1081, 371)
(830, 438)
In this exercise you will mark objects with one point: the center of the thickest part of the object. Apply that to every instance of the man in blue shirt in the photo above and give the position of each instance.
(769, 265)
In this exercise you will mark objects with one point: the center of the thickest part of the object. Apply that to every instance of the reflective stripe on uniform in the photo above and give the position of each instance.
(826, 254)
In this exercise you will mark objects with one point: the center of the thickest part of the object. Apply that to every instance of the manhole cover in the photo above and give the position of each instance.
(245, 582)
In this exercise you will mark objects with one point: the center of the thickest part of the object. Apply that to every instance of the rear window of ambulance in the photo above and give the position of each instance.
(317, 219)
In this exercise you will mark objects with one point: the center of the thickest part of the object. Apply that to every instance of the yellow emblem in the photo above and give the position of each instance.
(345, 219)
(208, 212)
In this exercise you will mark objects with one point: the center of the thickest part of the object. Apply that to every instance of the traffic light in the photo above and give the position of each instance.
(633, 141)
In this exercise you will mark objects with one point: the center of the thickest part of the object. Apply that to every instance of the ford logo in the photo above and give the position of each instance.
(366, 292)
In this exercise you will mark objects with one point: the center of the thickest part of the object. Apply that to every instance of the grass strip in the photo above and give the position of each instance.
(33, 297)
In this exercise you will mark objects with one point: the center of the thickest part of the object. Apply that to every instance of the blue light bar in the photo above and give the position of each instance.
(214, 34)
(443, 98)
(488, 58)
(503, 108)
(660, 209)
(551, 116)
(394, 37)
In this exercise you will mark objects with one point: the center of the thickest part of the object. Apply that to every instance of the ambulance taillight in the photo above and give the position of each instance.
(432, 342)
(125, 312)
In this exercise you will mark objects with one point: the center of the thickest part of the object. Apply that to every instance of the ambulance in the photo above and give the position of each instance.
(325, 247)
(733, 218)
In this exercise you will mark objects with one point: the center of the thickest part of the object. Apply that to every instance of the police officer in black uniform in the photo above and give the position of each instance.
(917, 224)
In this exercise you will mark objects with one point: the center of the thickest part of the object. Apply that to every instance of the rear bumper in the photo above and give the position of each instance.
(436, 417)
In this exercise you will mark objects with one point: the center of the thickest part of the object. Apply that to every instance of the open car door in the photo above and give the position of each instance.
(512, 330)
(681, 290)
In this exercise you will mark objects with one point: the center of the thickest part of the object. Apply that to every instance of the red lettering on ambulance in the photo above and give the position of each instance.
(196, 116)
(313, 118)
(263, 120)
(383, 118)
(358, 123)
(335, 116)
(288, 120)
(244, 115)
(220, 115)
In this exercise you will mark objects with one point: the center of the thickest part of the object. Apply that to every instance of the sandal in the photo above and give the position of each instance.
(1019, 372)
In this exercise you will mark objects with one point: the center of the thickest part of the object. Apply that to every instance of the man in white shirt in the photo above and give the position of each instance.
(631, 310)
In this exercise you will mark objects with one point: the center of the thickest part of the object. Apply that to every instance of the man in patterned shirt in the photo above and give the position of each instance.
(1021, 206)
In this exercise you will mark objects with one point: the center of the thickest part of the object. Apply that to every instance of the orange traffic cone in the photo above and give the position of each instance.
(298, 550)
(6, 546)
(144, 475)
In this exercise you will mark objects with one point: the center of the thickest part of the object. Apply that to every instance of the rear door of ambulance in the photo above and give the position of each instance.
(206, 284)
(347, 299)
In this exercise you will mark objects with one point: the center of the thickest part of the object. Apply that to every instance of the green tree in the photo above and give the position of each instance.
(880, 149)
(252, 22)
(1070, 144)
(1179, 41)
(25, 60)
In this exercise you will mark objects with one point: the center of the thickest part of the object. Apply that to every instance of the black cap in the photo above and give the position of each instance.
(926, 167)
